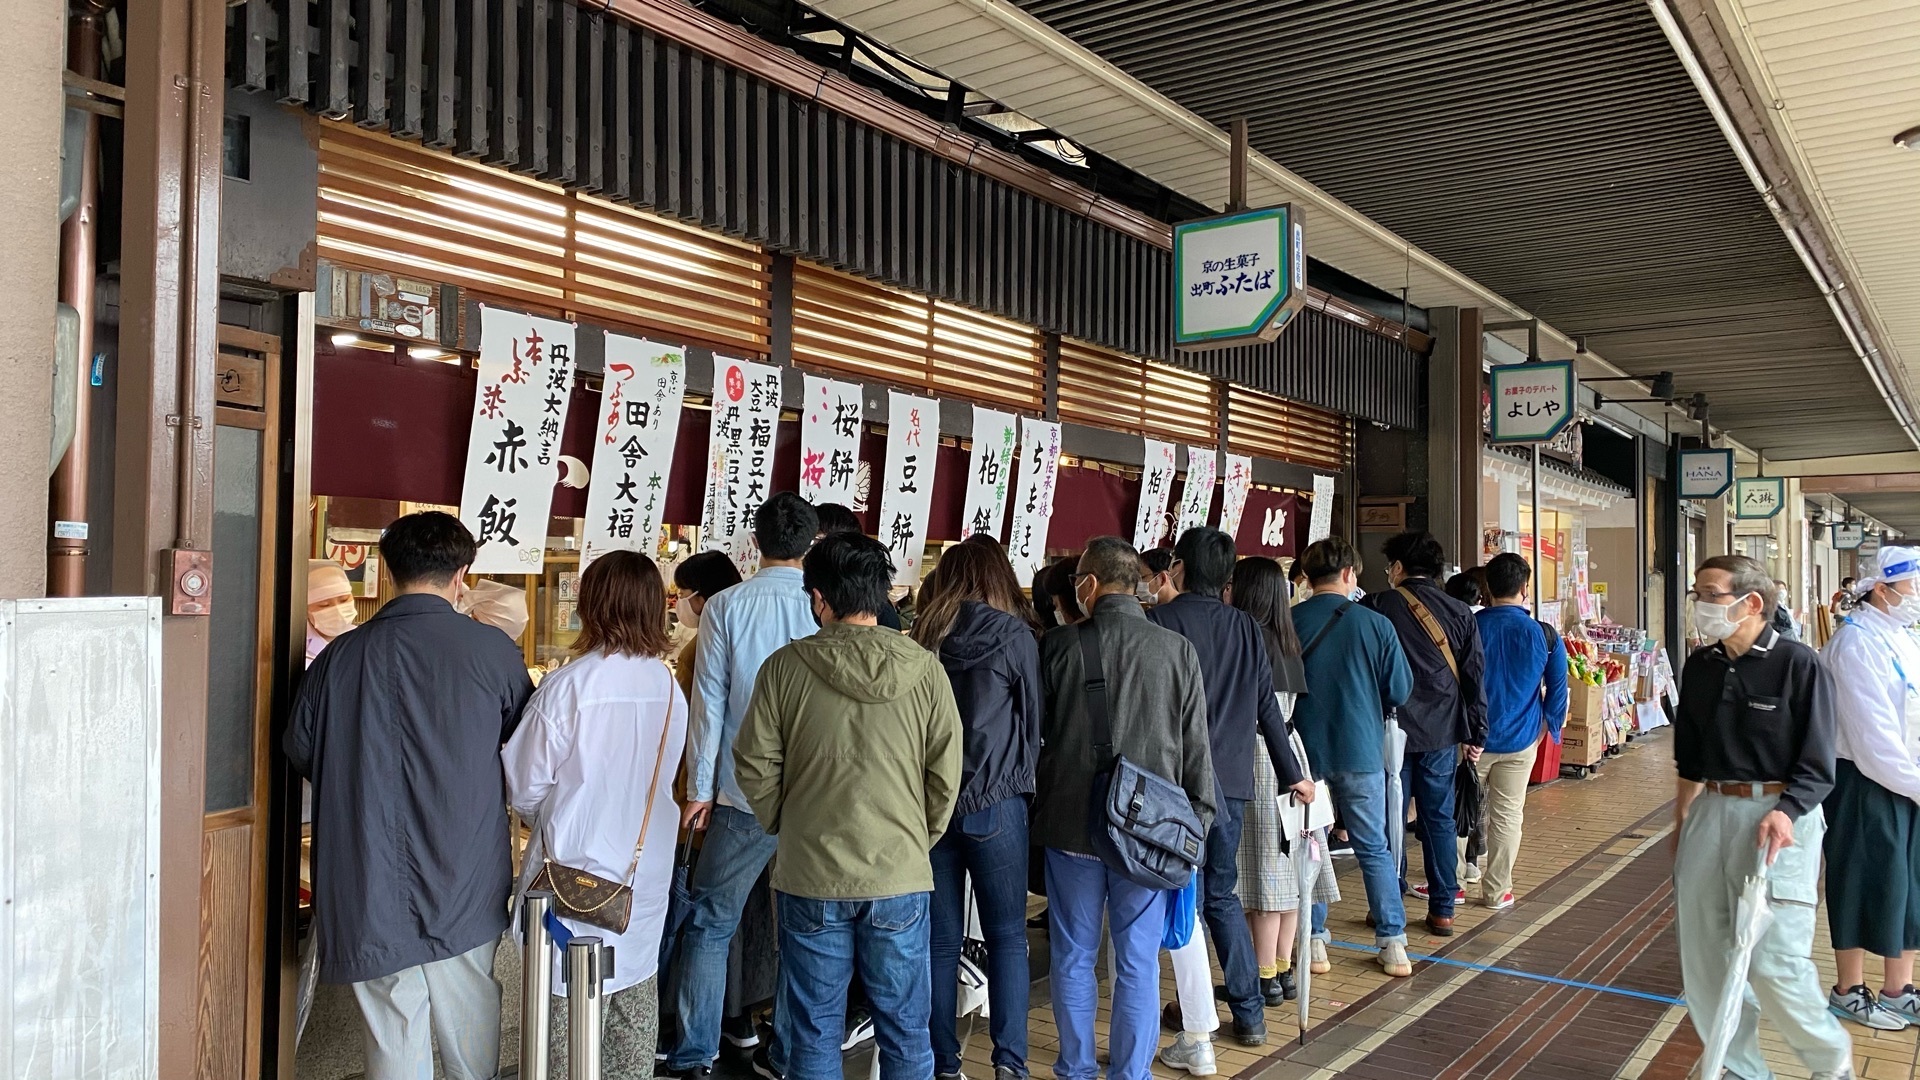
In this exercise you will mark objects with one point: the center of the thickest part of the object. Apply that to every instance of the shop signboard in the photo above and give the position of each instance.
(1196, 498)
(1848, 536)
(513, 448)
(989, 473)
(1156, 485)
(1705, 474)
(1532, 402)
(1320, 525)
(1238, 278)
(1033, 499)
(1271, 524)
(640, 398)
(1869, 546)
(1237, 480)
(746, 411)
(913, 449)
(830, 441)
(1759, 496)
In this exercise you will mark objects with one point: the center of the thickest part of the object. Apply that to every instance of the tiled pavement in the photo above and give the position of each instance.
(1596, 909)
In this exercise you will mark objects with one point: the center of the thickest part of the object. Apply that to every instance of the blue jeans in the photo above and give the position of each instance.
(1362, 800)
(990, 846)
(1427, 778)
(734, 853)
(822, 944)
(1226, 920)
(1080, 889)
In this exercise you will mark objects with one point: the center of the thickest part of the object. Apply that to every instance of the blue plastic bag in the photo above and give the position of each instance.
(1183, 908)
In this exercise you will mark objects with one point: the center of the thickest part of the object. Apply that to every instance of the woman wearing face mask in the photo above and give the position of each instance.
(329, 605)
(1053, 594)
(1873, 831)
(698, 580)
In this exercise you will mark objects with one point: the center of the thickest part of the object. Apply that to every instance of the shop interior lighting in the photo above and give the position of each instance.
(346, 339)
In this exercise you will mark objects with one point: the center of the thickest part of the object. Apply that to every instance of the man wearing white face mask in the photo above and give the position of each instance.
(1754, 748)
(329, 605)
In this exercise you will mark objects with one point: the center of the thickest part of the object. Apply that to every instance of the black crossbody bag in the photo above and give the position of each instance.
(1142, 825)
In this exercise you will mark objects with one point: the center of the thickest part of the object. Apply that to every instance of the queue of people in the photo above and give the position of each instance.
(902, 786)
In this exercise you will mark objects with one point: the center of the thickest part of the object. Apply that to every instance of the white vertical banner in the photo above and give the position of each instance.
(746, 410)
(829, 441)
(513, 449)
(640, 401)
(1320, 522)
(1033, 500)
(1196, 498)
(1233, 500)
(989, 472)
(913, 445)
(1156, 485)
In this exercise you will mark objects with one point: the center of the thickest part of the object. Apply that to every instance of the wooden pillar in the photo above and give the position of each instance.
(1454, 442)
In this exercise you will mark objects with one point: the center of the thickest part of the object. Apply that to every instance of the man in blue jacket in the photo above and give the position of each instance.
(1356, 672)
(1526, 681)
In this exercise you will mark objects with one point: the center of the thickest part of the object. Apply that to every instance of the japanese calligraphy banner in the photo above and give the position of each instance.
(1320, 522)
(991, 469)
(633, 457)
(913, 447)
(1033, 500)
(1196, 498)
(746, 409)
(829, 441)
(513, 450)
(1156, 484)
(1233, 500)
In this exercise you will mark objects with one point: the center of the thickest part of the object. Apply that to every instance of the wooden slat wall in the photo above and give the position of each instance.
(231, 957)
(854, 327)
(395, 206)
(1268, 426)
(1103, 388)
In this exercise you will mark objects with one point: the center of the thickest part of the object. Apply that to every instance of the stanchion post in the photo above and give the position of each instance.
(536, 984)
(588, 965)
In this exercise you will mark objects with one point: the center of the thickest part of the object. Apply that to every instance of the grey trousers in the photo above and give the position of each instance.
(452, 1003)
(629, 1027)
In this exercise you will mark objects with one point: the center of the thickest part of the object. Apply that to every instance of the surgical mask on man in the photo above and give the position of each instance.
(1906, 608)
(1715, 622)
(332, 619)
(686, 613)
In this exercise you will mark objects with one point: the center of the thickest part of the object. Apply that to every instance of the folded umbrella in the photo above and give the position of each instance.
(1469, 808)
(1750, 919)
(1394, 751)
(1306, 860)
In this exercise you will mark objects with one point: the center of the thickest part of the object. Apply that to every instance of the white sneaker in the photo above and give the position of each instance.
(1471, 875)
(1317, 959)
(1502, 903)
(1837, 1074)
(1905, 1004)
(1862, 1007)
(1393, 960)
(1194, 1053)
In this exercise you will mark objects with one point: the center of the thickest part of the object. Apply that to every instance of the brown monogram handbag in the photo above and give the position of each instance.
(591, 898)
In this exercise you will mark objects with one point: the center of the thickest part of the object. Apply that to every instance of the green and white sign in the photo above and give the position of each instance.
(1705, 474)
(1531, 403)
(1759, 497)
(1849, 537)
(1238, 278)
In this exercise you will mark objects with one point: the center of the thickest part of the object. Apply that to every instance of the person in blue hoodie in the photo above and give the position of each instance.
(975, 616)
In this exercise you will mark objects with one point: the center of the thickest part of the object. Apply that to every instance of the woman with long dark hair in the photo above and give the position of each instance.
(975, 616)
(591, 765)
(1269, 880)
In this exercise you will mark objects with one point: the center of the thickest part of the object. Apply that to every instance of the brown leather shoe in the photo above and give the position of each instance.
(1439, 927)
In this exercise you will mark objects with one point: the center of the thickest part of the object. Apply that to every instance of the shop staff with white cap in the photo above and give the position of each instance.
(1873, 815)
(1753, 746)
(329, 605)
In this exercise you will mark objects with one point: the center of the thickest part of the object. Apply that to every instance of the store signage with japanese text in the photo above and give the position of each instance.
(1531, 403)
(1759, 496)
(913, 449)
(640, 399)
(1156, 485)
(746, 413)
(1238, 278)
(1196, 497)
(1238, 479)
(990, 472)
(1320, 525)
(1033, 498)
(1849, 537)
(1705, 474)
(830, 441)
(513, 449)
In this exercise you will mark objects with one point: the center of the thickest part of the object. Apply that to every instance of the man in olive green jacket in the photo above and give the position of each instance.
(850, 754)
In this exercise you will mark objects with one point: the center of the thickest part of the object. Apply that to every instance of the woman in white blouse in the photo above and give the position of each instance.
(592, 766)
(1873, 830)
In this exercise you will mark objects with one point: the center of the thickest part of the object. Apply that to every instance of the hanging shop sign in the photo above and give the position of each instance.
(1033, 500)
(640, 398)
(1196, 498)
(1237, 480)
(1238, 278)
(385, 304)
(1759, 496)
(1869, 546)
(1705, 474)
(513, 448)
(1848, 537)
(990, 472)
(1531, 402)
(746, 410)
(1156, 484)
(913, 446)
(1320, 526)
(830, 441)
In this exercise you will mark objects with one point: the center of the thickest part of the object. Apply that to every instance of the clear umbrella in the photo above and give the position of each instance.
(1394, 751)
(1306, 859)
(1750, 919)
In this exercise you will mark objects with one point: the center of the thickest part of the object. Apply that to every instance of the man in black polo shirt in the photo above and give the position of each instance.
(1753, 744)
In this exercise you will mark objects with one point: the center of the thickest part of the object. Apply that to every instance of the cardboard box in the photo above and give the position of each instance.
(1583, 743)
(1585, 702)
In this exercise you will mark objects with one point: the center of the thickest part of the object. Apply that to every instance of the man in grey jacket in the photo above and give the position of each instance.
(1157, 711)
(399, 725)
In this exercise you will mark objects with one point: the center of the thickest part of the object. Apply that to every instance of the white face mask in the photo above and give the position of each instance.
(332, 620)
(1715, 621)
(1906, 608)
(683, 611)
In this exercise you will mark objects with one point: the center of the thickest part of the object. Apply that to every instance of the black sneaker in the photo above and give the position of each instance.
(1289, 986)
(859, 1028)
(1254, 1034)
(1273, 991)
(740, 1031)
(763, 1066)
(697, 1072)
